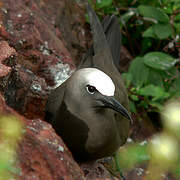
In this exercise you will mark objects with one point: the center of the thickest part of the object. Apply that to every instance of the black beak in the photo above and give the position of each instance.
(111, 102)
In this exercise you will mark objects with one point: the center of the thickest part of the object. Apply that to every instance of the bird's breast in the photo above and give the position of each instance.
(94, 134)
(103, 136)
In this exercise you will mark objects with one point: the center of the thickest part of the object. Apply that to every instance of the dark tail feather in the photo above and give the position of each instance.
(113, 35)
(106, 38)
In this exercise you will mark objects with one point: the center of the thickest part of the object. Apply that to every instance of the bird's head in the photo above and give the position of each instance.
(92, 88)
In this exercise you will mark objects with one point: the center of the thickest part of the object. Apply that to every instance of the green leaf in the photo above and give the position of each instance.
(87, 18)
(132, 107)
(126, 16)
(103, 3)
(127, 78)
(171, 73)
(175, 88)
(146, 44)
(177, 26)
(144, 104)
(162, 31)
(149, 32)
(168, 9)
(155, 78)
(134, 97)
(4, 165)
(177, 17)
(176, 5)
(110, 10)
(153, 91)
(139, 72)
(159, 60)
(156, 105)
(138, 154)
(154, 13)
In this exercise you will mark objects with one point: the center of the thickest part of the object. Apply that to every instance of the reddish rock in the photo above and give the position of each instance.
(31, 30)
(41, 153)
(96, 171)
(5, 52)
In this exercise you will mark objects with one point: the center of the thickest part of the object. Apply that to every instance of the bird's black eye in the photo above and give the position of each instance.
(91, 89)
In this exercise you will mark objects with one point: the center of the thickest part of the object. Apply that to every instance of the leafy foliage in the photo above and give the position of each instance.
(11, 132)
(150, 31)
(154, 13)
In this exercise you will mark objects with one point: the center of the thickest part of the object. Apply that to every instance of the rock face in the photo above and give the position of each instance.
(41, 153)
(45, 39)
(29, 50)
(40, 43)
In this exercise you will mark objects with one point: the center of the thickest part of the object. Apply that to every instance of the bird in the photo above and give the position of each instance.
(90, 109)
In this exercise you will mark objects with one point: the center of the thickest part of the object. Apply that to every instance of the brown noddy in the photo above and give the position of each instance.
(89, 110)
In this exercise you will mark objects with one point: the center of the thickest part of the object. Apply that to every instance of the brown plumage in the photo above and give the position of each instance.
(93, 121)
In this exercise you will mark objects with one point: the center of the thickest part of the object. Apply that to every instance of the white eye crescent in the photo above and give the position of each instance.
(91, 89)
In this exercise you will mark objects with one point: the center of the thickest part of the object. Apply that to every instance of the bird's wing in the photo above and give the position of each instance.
(54, 102)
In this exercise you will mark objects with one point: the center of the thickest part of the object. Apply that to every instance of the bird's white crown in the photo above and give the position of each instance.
(101, 81)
